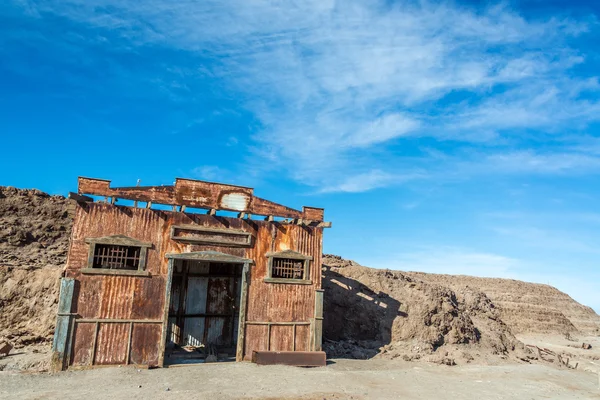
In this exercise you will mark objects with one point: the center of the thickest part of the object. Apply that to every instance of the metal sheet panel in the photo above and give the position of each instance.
(217, 333)
(293, 358)
(145, 344)
(83, 334)
(282, 338)
(138, 297)
(112, 342)
(302, 338)
(195, 302)
(193, 332)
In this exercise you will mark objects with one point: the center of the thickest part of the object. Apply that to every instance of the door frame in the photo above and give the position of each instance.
(209, 256)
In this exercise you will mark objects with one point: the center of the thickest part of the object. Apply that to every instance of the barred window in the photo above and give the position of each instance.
(120, 254)
(116, 257)
(287, 268)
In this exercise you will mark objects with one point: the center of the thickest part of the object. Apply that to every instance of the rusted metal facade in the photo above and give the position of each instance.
(126, 318)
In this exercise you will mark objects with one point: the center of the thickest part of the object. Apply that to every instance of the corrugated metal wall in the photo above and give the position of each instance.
(135, 304)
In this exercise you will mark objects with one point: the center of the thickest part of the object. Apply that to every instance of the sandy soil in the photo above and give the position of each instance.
(342, 379)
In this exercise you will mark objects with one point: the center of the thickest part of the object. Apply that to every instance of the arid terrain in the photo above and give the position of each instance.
(410, 334)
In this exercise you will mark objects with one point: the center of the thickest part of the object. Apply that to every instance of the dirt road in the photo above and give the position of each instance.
(343, 379)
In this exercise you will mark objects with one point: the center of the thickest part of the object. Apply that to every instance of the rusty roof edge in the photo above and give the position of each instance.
(94, 179)
(213, 183)
(168, 195)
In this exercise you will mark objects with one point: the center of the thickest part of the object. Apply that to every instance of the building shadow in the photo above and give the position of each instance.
(357, 320)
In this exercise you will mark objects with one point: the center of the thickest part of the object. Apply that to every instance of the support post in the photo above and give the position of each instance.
(163, 336)
(242, 319)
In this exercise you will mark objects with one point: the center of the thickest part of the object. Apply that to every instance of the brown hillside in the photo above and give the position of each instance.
(526, 307)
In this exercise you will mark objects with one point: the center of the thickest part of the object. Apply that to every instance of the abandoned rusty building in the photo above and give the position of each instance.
(158, 275)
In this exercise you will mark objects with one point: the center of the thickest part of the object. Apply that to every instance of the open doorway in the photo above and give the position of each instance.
(204, 311)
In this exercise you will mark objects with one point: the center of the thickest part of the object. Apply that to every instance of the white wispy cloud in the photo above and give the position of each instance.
(331, 83)
(452, 260)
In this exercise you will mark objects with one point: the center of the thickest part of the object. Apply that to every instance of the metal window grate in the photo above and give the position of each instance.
(116, 257)
(287, 268)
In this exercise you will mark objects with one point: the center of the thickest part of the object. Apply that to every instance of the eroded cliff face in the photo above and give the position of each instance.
(34, 237)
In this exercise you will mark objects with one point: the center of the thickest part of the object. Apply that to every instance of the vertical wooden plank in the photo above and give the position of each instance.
(60, 342)
(94, 344)
(128, 355)
(269, 337)
(163, 336)
(239, 355)
(294, 338)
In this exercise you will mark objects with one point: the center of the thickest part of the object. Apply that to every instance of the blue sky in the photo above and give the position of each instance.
(454, 137)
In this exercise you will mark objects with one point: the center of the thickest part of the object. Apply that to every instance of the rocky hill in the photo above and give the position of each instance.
(526, 307)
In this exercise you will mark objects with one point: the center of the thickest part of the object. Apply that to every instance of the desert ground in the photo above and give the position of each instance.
(342, 379)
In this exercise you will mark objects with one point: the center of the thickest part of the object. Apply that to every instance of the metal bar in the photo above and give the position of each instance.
(95, 343)
(269, 337)
(129, 343)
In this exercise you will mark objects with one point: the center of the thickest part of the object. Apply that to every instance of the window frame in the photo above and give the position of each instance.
(289, 254)
(117, 240)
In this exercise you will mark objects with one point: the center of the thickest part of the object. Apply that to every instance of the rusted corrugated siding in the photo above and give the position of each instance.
(145, 344)
(135, 298)
(281, 302)
(111, 347)
(81, 352)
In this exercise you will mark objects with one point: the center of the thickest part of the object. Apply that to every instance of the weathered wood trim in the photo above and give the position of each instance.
(288, 254)
(239, 355)
(80, 198)
(269, 337)
(289, 281)
(214, 256)
(225, 232)
(94, 343)
(63, 328)
(117, 240)
(165, 321)
(129, 343)
(117, 321)
(120, 272)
